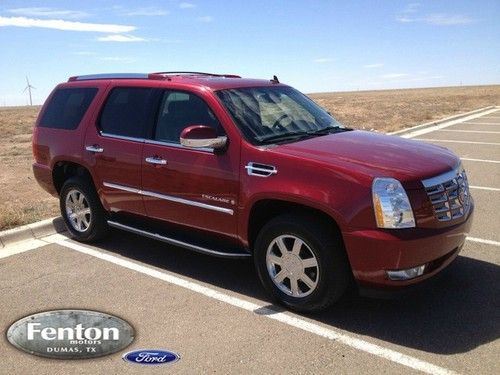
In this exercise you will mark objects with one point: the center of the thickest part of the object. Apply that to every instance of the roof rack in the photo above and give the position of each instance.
(158, 75)
(198, 74)
(110, 76)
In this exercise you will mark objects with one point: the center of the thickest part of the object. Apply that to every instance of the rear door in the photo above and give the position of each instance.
(192, 187)
(114, 146)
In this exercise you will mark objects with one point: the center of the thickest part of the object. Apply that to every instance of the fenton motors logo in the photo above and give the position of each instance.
(70, 334)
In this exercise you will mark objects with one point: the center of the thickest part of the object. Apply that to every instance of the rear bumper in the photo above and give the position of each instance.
(373, 252)
(43, 175)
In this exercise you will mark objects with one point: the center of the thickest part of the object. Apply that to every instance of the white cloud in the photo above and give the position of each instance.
(408, 15)
(65, 25)
(84, 53)
(394, 75)
(405, 19)
(411, 8)
(186, 5)
(145, 11)
(122, 38)
(48, 12)
(373, 66)
(206, 19)
(322, 60)
(124, 60)
(447, 19)
(438, 19)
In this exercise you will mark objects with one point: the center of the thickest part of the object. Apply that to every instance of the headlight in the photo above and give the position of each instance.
(391, 204)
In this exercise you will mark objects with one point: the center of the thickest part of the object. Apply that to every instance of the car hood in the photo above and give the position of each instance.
(376, 154)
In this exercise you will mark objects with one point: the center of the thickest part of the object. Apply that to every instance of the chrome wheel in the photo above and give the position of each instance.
(292, 266)
(78, 210)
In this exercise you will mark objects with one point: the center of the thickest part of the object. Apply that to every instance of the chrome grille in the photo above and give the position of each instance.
(449, 194)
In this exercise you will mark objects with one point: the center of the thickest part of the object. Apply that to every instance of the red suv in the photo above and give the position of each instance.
(237, 167)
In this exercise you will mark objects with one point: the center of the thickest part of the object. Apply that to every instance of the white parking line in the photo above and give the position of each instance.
(468, 131)
(481, 160)
(418, 130)
(455, 141)
(283, 317)
(482, 240)
(484, 188)
(481, 123)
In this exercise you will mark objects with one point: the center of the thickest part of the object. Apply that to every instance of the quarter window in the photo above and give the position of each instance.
(178, 110)
(67, 108)
(127, 112)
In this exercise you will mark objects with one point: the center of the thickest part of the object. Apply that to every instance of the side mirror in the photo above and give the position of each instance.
(202, 136)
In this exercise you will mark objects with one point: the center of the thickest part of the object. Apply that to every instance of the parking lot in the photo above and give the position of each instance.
(215, 315)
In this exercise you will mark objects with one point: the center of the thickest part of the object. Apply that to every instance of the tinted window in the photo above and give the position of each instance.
(266, 114)
(67, 107)
(127, 112)
(179, 110)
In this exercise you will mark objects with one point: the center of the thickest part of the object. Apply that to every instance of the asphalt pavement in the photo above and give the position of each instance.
(215, 315)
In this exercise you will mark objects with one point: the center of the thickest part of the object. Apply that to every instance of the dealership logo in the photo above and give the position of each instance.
(70, 334)
(151, 357)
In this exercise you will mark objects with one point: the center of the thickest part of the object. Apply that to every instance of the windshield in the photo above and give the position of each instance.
(276, 114)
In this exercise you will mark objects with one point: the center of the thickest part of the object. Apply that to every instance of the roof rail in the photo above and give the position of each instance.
(113, 76)
(158, 75)
(198, 74)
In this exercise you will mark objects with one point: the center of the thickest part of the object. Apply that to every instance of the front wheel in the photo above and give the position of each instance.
(301, 262)
(81, 209)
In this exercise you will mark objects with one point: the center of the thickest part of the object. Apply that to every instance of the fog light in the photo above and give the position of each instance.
(407, 274)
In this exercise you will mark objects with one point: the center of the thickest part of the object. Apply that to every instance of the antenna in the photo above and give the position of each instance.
(29, 87)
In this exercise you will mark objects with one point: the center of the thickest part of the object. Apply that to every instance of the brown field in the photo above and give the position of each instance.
(22, 201)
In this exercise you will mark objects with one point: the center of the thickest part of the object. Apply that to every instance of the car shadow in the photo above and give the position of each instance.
(456, 312)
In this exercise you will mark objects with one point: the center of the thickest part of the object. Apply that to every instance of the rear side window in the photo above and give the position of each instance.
(67, 107)
(127, 112)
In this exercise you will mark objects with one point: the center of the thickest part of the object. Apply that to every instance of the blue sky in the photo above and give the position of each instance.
(315, 46)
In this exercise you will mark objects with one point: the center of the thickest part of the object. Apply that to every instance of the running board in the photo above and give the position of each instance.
(175, 242)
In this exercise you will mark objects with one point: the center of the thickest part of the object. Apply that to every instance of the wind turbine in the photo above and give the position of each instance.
(29, 87)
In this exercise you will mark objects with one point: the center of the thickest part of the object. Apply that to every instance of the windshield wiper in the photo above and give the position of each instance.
(327, 130)
(284, 137)
(302, 134)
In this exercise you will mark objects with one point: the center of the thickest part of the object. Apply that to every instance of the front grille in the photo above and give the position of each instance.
(449, 194)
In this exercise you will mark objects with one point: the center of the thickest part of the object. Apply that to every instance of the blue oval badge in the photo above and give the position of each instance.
(151, 357)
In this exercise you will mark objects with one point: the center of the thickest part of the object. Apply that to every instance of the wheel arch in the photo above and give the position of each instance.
(264, 210)
(65, 169)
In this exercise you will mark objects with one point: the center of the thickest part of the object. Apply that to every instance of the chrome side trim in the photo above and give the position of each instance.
(176, 145)
(121, 187)
(175, 242)
(170, 198)
(122, 137)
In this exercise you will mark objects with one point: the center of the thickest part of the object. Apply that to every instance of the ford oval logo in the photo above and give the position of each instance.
(151, 357)
(70, 334)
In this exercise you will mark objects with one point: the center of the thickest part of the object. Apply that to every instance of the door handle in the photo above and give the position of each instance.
(94, 148)
(156, 160)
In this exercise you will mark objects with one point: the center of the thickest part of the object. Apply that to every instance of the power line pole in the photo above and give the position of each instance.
(29, 87)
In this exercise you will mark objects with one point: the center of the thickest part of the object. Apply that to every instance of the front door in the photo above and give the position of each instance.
(193, 187)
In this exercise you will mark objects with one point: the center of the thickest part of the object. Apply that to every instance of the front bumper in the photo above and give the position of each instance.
(373, 252)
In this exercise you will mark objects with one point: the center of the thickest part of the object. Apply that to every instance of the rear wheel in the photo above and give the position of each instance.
(301, 262)
(81, 209)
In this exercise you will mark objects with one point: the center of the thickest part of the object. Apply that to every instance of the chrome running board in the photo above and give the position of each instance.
(173, 241)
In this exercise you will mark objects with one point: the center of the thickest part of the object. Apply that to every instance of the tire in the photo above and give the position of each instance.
(315, 242)
(81, 209)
